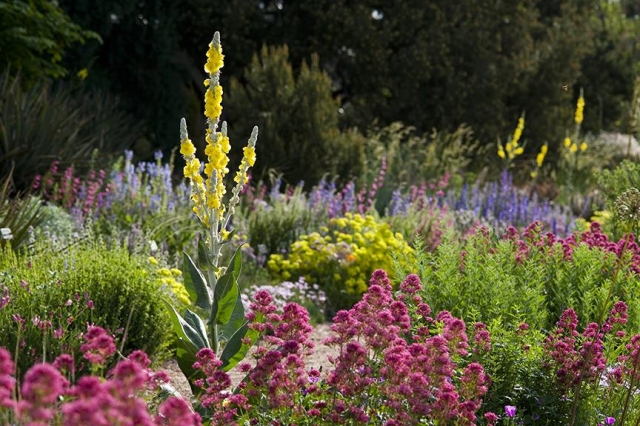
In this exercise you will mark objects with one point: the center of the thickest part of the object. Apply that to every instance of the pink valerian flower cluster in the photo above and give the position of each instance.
(534, 239)
(416, 372)
(47, 397)
(579, 357)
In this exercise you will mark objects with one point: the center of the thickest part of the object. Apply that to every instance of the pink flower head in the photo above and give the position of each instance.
(411, 284)
(176, 412)
(42, 385)
(98, 345)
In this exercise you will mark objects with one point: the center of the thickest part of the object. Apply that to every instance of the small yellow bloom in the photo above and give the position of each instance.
(176, 272)
(583, 146)
(153, 260)
(215, 58)
(519, 150)
(250, 155)
(501, 152)
(534, 174)
(567, 142)
(83, 74)
(186, 148)
(574, 147)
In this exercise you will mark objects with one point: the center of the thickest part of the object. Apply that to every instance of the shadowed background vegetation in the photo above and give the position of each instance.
(317, 76)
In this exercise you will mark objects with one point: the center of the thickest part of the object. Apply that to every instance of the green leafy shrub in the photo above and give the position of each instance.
(35, 35)
(274, 223)
(613, 183)
(531, 279)
(340, 257)
(87, 283)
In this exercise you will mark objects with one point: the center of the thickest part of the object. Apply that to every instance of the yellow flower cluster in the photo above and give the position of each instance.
(512, 149)
(341, 257)
(579, 110)
(573, 147)
(207, 194)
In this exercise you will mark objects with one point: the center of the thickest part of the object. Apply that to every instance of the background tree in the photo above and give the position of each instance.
(34, 36)
(297, 117)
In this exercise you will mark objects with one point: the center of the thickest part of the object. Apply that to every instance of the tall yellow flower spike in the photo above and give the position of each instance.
(207, 193)
(579, 110)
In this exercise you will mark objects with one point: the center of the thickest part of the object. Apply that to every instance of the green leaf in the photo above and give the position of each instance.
(198, 325)
(186, 349)
(185, 330)
(235, 350)
(236, 321)
(204, 257)
(196, 284)
(226, 291)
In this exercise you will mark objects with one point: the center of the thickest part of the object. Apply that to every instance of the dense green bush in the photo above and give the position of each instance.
(34, 37)
(613, 183)
(87, 283)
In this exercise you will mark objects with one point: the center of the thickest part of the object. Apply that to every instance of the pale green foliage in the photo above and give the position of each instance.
(124, 293)
(485, 280)
(413, 158)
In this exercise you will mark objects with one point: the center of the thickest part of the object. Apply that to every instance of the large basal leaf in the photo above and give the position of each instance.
(196, 284)
(185, 330)
(236, 321)
(235, 350)
(198, 325)
(226, 291)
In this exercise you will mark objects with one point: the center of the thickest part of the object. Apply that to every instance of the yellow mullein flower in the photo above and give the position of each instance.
(573, 148)
(579, 110)
(583, 146)
(186, 148)
(519, 151)
(501, 152)
(83, 74)
(534, 174)
(250, 155)
(567, 142)
(518, 132)
(213, 102)
(153, 260)
(215, 58)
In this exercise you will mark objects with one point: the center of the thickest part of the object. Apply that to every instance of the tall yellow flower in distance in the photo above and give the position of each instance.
(579, 110)
(512, 148)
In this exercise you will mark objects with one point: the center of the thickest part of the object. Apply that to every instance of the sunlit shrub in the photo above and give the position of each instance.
(340, 256)
(50, 296)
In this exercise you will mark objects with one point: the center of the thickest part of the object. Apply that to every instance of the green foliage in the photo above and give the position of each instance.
(298, 118)
(17, 215)
(519, 378)
(613, 183)
(531, 281)
(340, 257)
(57, 286)
(34, 37)
(413, 158)
(272, 226)
(43, 124)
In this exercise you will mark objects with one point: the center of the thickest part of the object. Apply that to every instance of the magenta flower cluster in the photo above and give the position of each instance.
(47, 396)
(396, 364)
